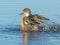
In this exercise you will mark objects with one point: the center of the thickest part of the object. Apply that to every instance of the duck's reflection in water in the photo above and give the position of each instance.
(31, 37)
(26, 37)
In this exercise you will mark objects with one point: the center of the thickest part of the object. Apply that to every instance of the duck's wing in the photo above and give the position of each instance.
(38, 19)
(41, 17)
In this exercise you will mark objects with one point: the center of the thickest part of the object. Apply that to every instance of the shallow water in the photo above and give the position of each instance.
(13, 36)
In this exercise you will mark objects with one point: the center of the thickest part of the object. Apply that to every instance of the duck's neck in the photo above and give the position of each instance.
(27, 15)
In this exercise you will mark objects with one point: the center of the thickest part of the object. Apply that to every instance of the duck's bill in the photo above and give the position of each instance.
(21, 13)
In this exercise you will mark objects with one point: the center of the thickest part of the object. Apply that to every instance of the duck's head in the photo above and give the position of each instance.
(26, 12)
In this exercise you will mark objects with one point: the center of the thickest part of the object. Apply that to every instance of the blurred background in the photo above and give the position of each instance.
(10, 10)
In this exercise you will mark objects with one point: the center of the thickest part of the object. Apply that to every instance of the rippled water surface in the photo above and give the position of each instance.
(9, 20)
(13, 36)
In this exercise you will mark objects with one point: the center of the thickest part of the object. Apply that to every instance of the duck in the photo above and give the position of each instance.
(31, 21)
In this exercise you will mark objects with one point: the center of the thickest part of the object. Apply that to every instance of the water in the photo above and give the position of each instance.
(10, 22)
(10, 10)
(11, 35)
